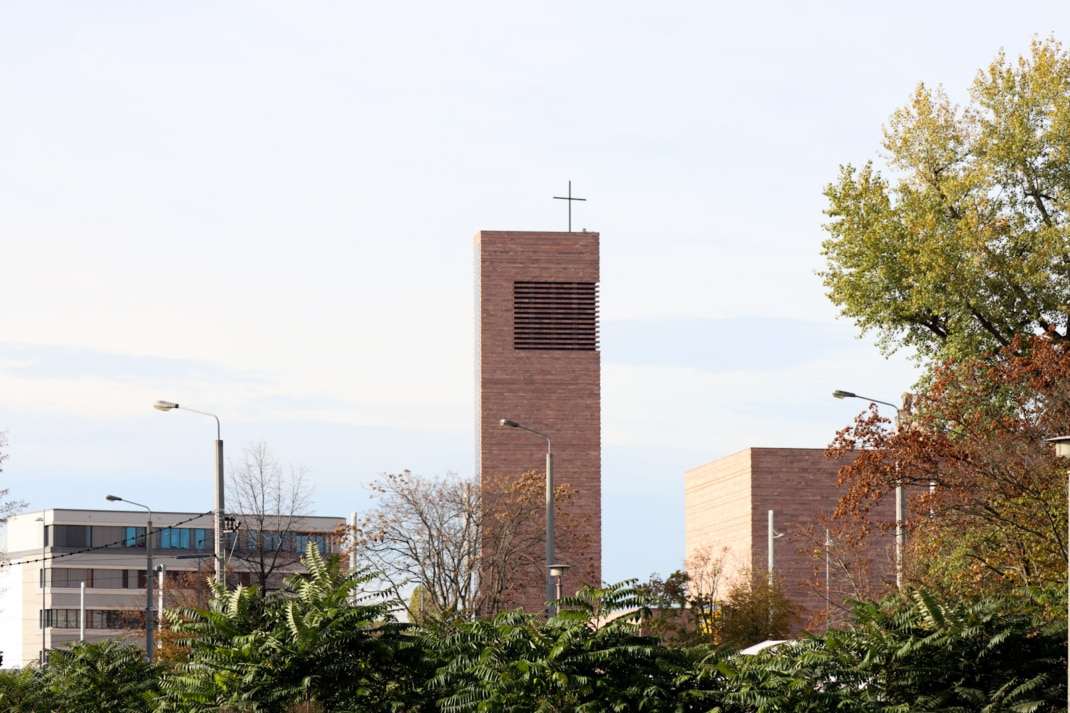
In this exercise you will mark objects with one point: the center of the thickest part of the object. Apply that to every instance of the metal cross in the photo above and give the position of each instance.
(569, 198)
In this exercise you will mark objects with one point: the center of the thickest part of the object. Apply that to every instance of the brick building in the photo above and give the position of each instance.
(727, 503)
(538, 364)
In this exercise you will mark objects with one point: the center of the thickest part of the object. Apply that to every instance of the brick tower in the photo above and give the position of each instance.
(538, 364)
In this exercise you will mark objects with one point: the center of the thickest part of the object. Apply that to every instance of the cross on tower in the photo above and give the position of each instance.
(569, 198)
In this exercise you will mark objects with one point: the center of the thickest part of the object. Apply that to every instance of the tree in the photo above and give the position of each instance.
(104, 676)
(270, 502)
(672, 618)
(322, 646)
(989, 511)
(757, 609)
(24, 691)
(686, 608)
(7, 507)
(705, 575)
(591, 656)
(970, 246)
(916, 653)
(849, 561)
(466, 547)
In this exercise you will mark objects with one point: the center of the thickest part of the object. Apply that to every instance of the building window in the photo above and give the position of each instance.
(133, 537)
(71, 535)
(175, 538)
(70, 577)
(107, 536)
(108, 578)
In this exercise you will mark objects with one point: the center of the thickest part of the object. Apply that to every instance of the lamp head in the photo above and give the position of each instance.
(838, 394)
(559, 570)
(1062, 446)
(114, 498)
(509, 424)
(164, 405)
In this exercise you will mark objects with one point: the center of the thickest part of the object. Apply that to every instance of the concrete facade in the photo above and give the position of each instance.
(726, 509)
(538, 364)
(106, 551)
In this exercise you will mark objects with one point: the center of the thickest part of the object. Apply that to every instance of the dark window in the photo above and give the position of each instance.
(62, 618)
(108, 578)
(71, 535)
(555, 316)
(70, 577)
(107, 536)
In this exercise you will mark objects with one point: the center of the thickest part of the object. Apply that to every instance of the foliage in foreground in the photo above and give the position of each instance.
(912, 654)
(106, 676)
(591, 657)
(321, 649)
(321, 643)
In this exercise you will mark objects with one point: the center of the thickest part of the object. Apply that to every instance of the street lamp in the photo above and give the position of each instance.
(1062, 450)
(550, 609)
(900, 536)
(558, 572)
(220, 563)
(773, 536)
(150, 623)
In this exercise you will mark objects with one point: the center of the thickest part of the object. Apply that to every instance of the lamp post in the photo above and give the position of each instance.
(550, 609)
(150, 623)
(1062, 450)
(558, 572)
(900, 535)
(220, 563)
(44, 613)
(773, 536)
(828, 581)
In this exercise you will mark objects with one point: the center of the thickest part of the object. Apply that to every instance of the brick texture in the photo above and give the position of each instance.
(555, 392)
(727, 503)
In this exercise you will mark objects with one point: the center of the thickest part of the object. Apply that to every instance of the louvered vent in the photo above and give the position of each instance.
(555, 315)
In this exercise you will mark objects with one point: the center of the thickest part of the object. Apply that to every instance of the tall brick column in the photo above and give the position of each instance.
(538, 364)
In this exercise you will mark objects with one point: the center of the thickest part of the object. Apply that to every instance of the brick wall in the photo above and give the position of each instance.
(727, 503)
(555, 392)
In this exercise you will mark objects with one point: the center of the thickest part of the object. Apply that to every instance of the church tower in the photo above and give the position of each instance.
(538, 365)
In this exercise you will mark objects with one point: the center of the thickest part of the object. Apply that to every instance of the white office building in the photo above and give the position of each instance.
(81, 574)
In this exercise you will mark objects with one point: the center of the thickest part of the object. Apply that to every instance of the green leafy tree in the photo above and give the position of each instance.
(756, 609)
(24, 691)
(672, 617)
(591, 657)
(968, 245)
(105, 676)
(916, 653)
(321, 646)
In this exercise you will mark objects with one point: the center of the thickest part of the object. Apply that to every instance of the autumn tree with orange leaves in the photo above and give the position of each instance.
(988, 510)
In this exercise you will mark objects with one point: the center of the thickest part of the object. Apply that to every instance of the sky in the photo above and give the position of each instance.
(265, 210)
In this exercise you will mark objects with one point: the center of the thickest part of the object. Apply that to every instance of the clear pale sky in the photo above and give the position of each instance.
(265, 210)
